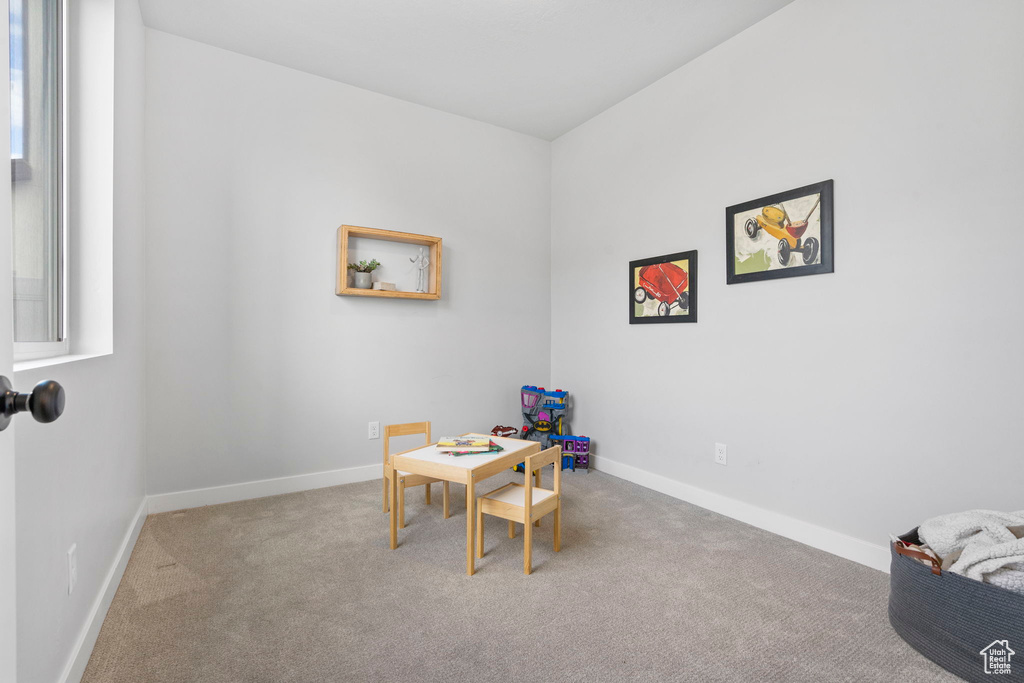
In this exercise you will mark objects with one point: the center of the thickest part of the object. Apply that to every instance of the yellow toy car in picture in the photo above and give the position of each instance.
(776, 222)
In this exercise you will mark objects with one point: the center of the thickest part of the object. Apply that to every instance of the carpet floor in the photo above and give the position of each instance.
(303, 587)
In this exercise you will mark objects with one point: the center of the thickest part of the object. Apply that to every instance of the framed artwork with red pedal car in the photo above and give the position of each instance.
(663, 289)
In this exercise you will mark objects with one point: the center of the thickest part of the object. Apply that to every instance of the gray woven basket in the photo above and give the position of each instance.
(950, 619)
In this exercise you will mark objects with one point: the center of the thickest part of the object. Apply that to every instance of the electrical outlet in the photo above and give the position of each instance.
(72, 567)
(720, 454)
(374, 430)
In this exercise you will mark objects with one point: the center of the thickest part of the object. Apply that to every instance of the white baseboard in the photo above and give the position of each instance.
(214, 495)
(869, 554)
(82, 650)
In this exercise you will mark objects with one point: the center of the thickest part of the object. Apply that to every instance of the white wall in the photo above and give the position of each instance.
(866, 400)
(81, 479)
(834, 393)
(256, 369)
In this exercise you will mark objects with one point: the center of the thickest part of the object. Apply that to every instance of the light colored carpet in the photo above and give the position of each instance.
(303, 587)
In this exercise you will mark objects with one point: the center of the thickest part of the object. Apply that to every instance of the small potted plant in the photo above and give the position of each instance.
(361, 274)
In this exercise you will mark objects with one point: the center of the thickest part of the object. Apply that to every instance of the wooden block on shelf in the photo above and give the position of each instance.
(384, 286)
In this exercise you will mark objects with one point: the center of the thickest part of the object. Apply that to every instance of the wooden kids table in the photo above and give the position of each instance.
(463, 469)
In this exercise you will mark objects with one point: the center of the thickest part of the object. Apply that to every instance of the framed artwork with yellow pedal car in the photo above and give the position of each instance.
(788, 234)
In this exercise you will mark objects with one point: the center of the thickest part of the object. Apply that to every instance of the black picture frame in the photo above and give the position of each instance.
(752, 223)
(654, 295)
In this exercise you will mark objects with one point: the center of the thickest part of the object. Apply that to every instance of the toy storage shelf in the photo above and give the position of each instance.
(348, 232)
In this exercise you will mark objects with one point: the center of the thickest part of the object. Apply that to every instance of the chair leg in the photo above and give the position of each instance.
(479, 530)
(537, 475)
(527, 547)
(511, 529)
(427, 487)
(401, 503)
(386, 508)
(558, 526)
(446, 498)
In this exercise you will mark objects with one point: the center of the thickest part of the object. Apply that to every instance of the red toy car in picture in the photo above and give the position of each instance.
(665, 282)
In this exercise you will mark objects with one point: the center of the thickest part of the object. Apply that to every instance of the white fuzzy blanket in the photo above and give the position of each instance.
(980, 544)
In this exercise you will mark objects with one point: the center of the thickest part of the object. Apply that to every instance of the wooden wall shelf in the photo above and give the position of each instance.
(347, 232)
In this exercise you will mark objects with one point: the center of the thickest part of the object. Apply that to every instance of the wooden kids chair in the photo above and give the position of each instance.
(524, 504)
(404, 478)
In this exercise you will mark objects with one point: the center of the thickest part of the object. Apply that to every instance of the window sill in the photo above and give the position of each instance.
(36, 363)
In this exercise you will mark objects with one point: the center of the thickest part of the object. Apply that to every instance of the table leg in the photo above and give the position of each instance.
(393, 483)
(558, 526)
(470, 519)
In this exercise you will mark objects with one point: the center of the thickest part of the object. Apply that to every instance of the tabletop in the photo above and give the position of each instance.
(430, 454)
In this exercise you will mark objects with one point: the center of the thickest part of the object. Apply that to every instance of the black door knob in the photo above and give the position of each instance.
(46, 402)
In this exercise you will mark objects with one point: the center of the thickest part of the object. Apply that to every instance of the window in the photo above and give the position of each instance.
(37, 183)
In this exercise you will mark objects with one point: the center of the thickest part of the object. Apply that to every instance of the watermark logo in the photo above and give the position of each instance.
(997, 657)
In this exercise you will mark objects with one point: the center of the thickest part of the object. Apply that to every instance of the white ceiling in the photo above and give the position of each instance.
(541, 67)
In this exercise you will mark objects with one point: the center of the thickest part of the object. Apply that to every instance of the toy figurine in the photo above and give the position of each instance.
(421, 262)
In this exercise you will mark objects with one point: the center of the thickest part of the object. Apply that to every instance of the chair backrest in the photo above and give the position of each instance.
(407, 429)
(550, 456)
